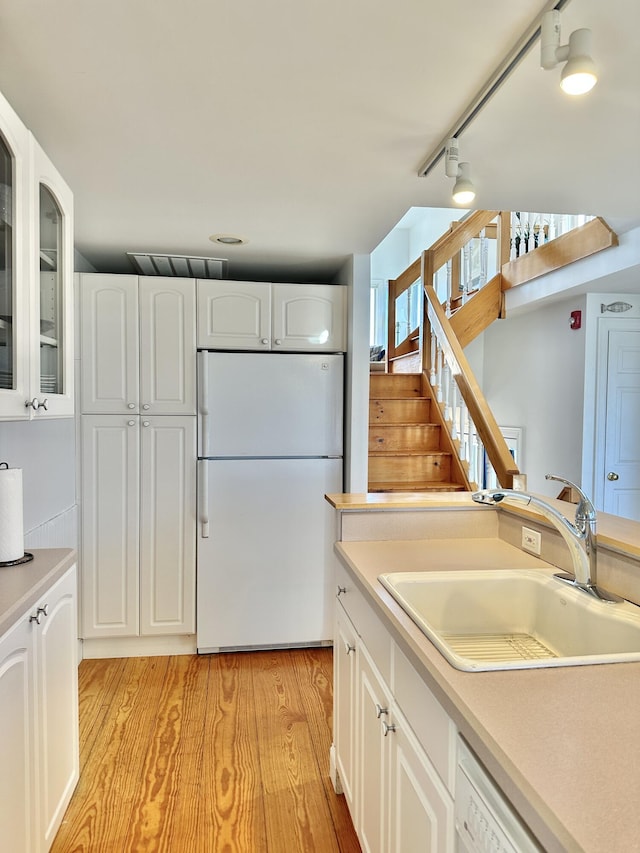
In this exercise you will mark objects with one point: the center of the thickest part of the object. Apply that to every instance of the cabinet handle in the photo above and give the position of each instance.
(380, 710)
(146, 406)
(388, 727)
(278, 342)
(35, 404)
(264, 341)
(341, 591)
(348, 648)
(613, 476)
(131, 423)
(146, 423)
(43, 610)
(36, 617)
(131, 405)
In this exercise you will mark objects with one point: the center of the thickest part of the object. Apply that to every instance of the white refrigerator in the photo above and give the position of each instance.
(270, 434)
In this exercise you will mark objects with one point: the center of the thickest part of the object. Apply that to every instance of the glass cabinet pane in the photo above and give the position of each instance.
(51, 329)
(7, 353)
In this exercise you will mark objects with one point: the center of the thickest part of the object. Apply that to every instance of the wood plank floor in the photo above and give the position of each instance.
(207, 754)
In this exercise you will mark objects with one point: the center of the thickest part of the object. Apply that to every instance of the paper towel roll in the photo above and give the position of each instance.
(11, 521)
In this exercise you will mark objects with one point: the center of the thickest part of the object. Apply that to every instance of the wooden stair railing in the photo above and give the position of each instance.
(448, 359)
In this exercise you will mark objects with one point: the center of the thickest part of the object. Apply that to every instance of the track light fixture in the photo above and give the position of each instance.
(579, 74)
(463, 190)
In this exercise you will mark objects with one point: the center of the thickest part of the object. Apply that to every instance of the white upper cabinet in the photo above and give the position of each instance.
(249, 315)
(138, 345)
(51, 291)
(36, 275)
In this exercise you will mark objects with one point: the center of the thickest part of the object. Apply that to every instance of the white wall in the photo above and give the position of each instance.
(533, 377)
(45, 450)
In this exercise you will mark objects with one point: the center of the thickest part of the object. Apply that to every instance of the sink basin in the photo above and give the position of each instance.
(515, 619)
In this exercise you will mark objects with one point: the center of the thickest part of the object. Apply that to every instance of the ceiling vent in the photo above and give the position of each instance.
(179, 265)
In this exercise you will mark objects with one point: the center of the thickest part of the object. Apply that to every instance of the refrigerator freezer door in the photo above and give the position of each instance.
(273, 405)
(265, 572)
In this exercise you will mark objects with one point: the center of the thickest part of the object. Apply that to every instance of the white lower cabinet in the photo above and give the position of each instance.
(138, 525)
(395, 762)
(39, 719)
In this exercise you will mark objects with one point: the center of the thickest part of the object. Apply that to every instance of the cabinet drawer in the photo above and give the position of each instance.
(431, 724)
(368, 626)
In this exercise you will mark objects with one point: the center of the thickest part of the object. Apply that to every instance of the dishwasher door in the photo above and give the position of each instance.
(484, 820)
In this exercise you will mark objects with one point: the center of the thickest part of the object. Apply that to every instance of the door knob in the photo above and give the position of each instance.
(612, 476)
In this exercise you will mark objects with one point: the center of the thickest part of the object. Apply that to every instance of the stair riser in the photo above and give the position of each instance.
(407, 469)
(421, 437)
(399, 411)
(394, 385)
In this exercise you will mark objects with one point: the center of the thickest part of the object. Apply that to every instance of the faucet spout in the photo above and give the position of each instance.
(580, 535)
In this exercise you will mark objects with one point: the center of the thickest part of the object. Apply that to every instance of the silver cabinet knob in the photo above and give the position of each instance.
(264, 341)
(44, 610)
(131, 405)
(35, 404)
(388, 727)
(341, 590)
(146, 406)
(278, 341)
(36, 617)
(612, 476)
(146, 423)
(131, 423)
(380, 710)
(348, 648)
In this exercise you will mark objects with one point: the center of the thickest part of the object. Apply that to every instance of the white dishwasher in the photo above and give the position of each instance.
(485, 821)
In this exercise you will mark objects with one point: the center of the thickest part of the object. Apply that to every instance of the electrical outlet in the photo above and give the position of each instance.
(531, 540)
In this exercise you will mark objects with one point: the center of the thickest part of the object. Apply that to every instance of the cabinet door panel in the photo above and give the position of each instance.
(57, 679)
(344, 655)
(421, 809)
(110, 525)
(308, 317)
(109, 329)
(167, 346)
(234, 315)
(17, 740)
(374, 704)
(168, 525)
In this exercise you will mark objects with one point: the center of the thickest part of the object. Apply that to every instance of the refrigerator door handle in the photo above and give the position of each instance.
(203, 498)
(203, 401)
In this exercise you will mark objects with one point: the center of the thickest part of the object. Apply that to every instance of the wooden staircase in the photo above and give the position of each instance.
(408, 449)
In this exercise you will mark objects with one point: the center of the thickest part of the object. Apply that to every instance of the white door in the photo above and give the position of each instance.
(57, 679)
(168, 525)
(167, 346)
(621, 474)
(234, 315)
(110, 525)
(308, 317)
(109, 331)
(17, 739)
(265, 570)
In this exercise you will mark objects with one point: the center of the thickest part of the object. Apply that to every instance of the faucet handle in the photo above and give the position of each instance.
(585, 511)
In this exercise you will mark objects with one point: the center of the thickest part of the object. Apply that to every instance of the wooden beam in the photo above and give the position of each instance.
(479, 312)
(586, 240)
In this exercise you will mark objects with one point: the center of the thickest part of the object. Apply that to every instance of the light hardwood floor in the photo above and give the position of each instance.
(207, 754)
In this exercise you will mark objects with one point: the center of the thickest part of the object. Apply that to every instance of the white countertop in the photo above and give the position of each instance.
(563, 743)
(21, 586)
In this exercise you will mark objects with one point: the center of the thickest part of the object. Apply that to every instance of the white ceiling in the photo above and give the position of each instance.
(301, 124)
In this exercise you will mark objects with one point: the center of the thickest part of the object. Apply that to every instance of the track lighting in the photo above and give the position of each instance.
(463, 190)
(579, 74)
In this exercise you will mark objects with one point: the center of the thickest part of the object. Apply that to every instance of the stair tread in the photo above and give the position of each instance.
(417, 486)
(387, 453)
(412, 424)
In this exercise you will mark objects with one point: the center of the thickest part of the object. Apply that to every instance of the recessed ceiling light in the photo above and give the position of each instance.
(228, 239)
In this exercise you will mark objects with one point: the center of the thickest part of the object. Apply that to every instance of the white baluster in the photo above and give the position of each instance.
(446, 381)
(449, 285)
(432, 370)
(454, 410)
(484, 258)
(440, 361)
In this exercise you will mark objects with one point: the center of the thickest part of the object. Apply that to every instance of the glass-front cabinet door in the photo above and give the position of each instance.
(14, 273)
(52, 356)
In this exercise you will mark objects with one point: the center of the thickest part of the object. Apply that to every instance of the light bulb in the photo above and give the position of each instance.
(463, 191)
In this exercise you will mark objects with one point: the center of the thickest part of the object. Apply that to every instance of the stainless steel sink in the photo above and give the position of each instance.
(515, 619)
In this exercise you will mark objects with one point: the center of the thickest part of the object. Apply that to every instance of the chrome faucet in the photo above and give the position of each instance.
(580, 535)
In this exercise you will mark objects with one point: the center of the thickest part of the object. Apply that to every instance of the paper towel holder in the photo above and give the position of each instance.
(26, 557)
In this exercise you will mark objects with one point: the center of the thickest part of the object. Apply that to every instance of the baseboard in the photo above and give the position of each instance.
(135, 647)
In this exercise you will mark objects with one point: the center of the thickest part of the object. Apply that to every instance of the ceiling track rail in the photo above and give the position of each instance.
(490, 87)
